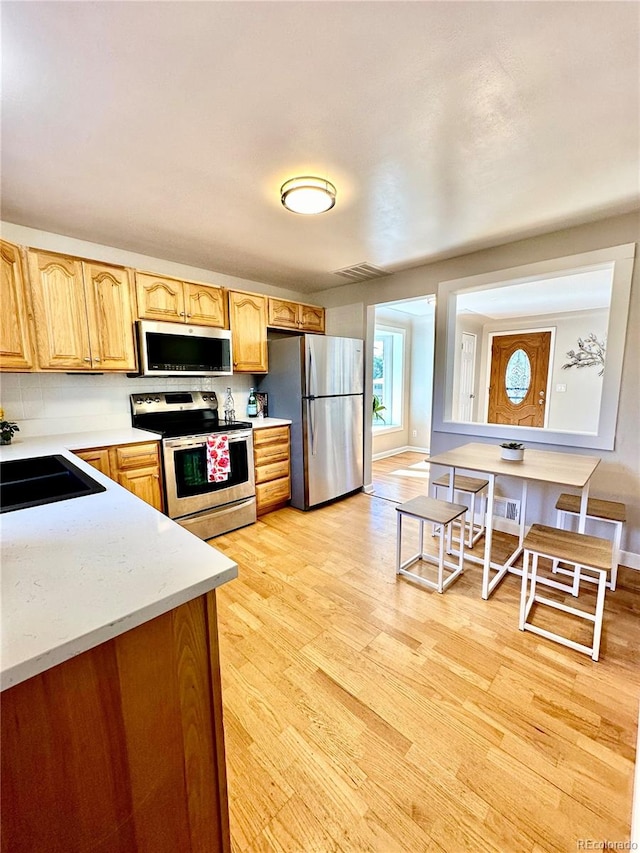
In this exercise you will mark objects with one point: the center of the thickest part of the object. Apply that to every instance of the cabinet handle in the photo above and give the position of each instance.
(182, 314)
(97, 360)
(188, 315)
(86, 358)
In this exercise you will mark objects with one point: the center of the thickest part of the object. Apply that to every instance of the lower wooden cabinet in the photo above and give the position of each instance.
(134, 466)
(121, 748)
(273, 467)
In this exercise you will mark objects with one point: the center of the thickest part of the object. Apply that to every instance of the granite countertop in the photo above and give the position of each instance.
(262, 423)
(79, 572)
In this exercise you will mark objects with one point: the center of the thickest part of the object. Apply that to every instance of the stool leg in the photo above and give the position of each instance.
(398, 542)
(523, 590)
(472, 521)
(461, 561)
(443, 535)
(597, 625)
(421, 539)
(617, 543)
(560, 517)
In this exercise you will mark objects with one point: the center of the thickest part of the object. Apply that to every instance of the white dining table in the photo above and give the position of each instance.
(541, 466)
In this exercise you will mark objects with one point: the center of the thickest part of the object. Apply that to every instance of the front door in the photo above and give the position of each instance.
(519, 374)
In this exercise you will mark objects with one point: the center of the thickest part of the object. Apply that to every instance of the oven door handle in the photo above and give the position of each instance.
(181, 443)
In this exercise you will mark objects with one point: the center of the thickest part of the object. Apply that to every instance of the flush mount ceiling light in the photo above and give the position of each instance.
(308, 195)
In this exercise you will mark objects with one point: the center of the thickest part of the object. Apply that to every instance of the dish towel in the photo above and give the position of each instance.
(218, 462)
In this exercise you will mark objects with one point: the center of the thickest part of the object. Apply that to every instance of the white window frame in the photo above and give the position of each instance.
(397, 406)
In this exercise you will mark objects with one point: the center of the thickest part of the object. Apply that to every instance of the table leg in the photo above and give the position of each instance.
(486, 569)
(582, 519)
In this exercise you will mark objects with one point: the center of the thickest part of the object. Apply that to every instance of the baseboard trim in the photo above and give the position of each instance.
(630, 560)
(397, 450)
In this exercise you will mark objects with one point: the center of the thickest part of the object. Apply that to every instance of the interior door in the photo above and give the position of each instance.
(466, 391)
(519, 377)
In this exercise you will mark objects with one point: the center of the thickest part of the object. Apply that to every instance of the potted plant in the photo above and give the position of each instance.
(7, 430)
(377, 408)
(512, 450)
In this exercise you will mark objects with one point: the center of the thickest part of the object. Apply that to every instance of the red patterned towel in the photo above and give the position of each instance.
(218, 463)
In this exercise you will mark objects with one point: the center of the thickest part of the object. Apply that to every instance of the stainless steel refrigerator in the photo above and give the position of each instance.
(316, 381)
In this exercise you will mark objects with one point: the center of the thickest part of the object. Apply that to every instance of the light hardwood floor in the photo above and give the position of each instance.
(366, 714)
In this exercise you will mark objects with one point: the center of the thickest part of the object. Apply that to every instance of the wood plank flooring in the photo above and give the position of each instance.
(363, 713)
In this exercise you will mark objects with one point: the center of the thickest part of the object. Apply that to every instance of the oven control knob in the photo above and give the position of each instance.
(157, 400)
(148, 400)
(139, 400)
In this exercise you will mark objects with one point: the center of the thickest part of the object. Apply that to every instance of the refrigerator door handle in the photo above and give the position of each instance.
(312, 428)
(312, 379)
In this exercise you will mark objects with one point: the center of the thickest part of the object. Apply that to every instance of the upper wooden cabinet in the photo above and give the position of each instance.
(162, 298)
(15, 343)
(295, 315)
(83, 314)
(248, 323)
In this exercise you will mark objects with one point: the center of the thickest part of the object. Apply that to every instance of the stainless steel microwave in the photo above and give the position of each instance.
(176, 349)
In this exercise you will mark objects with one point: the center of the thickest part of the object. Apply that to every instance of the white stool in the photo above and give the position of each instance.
(474, 487)
(610, 512)
(587, 554)
(442, 514)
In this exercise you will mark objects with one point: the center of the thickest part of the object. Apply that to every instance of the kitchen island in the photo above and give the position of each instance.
(112, 735)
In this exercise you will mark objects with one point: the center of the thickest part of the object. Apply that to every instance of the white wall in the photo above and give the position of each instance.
(618, 475)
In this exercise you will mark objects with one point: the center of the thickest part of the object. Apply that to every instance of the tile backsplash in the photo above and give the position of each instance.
(54, 403)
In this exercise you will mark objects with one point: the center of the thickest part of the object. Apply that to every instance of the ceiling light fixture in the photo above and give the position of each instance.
(308, 195)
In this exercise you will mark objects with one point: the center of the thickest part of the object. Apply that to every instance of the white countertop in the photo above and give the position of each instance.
(79, 572)
(261, 423)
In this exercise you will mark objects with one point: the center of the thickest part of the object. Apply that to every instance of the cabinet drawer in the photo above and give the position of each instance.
(274, 492)
(136, 456)
(270, 435)
(273, 471)
(270, 453)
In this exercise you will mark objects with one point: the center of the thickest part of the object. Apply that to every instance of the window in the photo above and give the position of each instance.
(388, 360)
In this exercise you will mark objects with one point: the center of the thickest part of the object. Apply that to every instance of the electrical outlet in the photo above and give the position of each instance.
(414, 433)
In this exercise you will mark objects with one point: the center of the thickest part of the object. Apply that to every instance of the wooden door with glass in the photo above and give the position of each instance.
(519, 379)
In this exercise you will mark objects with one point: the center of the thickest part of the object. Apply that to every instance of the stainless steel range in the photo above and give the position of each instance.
(185, 420)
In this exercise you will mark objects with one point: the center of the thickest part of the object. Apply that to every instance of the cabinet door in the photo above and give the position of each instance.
(283, 314)
(144, 483)
(160, 298)
(110, 312)
(137, 468)
(15, 344)
(98, 457)
(60, 313)
(311, 318)
(248, 322)
(205, 306)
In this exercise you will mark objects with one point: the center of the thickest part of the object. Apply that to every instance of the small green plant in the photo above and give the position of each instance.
(7, 429)
(512, 445)
(377, 408)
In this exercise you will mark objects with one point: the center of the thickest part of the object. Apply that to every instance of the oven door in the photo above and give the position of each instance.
(185, 465)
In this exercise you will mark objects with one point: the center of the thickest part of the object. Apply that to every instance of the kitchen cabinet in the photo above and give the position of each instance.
(15, 341)
(121, 748)
(83, 314)
(163, 298)
(272, 460)
(248, 324)
(295, 315)
(134, 466)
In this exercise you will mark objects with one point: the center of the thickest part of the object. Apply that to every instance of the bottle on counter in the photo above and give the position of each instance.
(229, 408)
(252, 404)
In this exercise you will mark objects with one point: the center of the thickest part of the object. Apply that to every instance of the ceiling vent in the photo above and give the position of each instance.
(361, 272)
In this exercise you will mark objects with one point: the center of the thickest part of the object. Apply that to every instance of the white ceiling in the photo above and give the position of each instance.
(167, 128)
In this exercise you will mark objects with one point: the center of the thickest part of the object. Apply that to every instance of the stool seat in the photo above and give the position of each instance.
(473, 485)
(570, 547)
(431, 509)
(596, 507)
(613, 513)
(442, 514)
(588, 554)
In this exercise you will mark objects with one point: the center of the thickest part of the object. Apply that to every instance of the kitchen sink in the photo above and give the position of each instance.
(42, 480)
